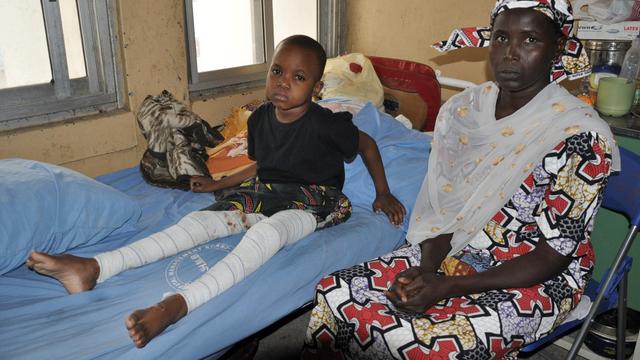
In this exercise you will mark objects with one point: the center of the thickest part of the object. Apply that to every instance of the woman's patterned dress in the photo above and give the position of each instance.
(352, 318)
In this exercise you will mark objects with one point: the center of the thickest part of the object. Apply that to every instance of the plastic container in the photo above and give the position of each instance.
(601, 338)
(631, 63)
(615, 96)
(608, 54)
(630, 70)
(606, 58)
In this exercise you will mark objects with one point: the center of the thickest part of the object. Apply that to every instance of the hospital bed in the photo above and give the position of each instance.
(38, 319)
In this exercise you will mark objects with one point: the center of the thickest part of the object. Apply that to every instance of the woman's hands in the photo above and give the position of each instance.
(420, 287)
(203, 184)
(393, 208)
(417, 289)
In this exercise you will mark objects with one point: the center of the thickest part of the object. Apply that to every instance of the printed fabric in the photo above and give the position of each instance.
(328, 204)
(177, 139)
(558, 200)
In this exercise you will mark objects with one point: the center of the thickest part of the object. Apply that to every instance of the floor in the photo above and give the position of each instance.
(285, 342)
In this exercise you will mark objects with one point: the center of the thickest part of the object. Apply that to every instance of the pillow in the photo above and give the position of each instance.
(49, 208)
(404, 154)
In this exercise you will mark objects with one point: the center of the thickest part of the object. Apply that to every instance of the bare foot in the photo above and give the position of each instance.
(145, 324)
(76, 273)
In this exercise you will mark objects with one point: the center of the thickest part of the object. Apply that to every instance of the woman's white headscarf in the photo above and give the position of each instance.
(477, 162)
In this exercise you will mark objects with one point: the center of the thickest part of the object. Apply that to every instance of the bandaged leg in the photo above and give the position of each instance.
(260, 243)
(192, 230)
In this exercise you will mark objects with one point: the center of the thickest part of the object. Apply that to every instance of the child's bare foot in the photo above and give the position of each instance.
(76, 273)
(145, 324)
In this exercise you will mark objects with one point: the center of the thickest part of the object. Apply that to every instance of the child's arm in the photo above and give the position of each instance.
(207, 184)
(384, 201)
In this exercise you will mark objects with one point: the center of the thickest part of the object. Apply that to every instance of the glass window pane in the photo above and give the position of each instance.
(24, 58)
(292, 17)
(227, 34)
(72, 38)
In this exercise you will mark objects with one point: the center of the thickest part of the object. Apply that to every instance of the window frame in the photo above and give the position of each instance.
(331, 22)
(63, 98)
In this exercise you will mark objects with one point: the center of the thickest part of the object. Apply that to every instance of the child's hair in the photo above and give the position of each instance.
(306, 42)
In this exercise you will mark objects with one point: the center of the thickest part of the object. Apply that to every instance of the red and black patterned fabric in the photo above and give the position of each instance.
(352, 318)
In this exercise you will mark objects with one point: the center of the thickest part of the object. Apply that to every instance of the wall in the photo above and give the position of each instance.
(153, 56)
(406, 29)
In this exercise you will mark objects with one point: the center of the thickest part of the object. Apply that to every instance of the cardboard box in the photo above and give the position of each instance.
(626, 30)
(409, 104)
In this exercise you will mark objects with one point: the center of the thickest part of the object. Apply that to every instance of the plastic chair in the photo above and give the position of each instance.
(411, 77)
(622, 195)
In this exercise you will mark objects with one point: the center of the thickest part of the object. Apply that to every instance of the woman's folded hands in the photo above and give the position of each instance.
(418, 288)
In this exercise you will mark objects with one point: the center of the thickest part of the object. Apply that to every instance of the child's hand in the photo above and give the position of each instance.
(394, 210)
(203, 184)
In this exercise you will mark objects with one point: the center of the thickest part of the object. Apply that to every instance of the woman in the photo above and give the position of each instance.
(500, 233)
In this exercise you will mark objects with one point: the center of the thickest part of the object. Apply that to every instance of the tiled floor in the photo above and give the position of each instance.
(285, 343)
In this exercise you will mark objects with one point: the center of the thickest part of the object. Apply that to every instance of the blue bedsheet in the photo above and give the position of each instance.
(38, 319)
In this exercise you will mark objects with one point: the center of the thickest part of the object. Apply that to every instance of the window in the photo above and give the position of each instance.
(56, 60)
(231, 42)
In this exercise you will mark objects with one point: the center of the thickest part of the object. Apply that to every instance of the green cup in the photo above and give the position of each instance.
(615, 96)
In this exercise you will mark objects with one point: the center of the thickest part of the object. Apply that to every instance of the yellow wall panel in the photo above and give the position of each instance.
(153, 58)
(406, 29)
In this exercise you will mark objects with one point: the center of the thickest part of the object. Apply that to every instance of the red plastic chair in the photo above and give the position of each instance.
(411, 77)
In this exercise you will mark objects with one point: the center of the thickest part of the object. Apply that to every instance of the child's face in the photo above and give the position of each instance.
(523, 46)
(292, 80)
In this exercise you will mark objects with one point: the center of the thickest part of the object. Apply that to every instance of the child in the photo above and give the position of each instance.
(299, 149)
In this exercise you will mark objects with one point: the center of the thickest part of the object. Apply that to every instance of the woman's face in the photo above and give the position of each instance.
(523, 45)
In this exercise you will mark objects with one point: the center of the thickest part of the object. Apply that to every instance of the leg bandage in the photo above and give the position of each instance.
(260, 243)
(192, 230)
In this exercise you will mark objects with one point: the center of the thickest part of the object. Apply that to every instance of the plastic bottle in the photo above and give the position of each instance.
(630, 71)
(631, 62)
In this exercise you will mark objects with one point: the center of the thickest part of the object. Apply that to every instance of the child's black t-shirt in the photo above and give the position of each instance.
(311, 150)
